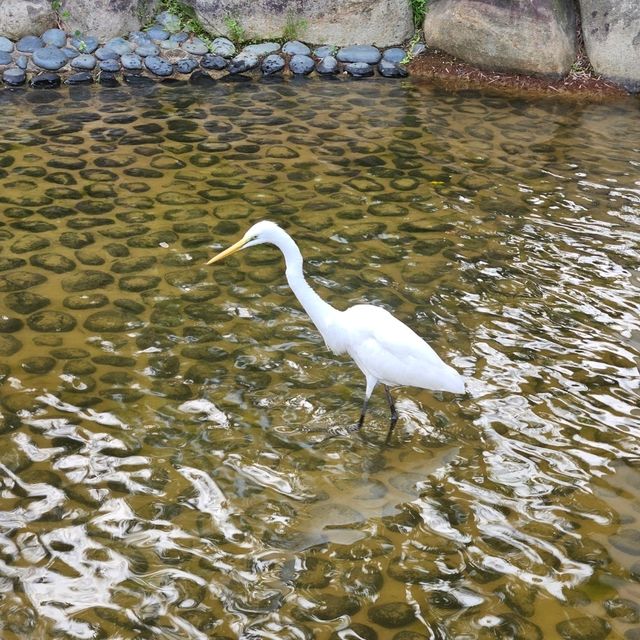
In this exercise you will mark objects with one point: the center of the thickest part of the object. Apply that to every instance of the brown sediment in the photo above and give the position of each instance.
(447, 71)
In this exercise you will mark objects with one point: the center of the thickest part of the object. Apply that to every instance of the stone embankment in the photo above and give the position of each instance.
(87, 39)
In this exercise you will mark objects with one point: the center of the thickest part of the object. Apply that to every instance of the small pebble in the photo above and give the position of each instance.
(272, 64)
(6, 46)
(196, 47)
(262, 49)
(186, 65)
(359, 69)
(295, 47)
(145, 50)
(157, 33)
(84, 61)
(301, 65)
(359, 53)
(158, 66)
(112, 66)
(105, 53)
(131, 61)
(223, 47)
(213, 61)
(328, 65)
(29, 44)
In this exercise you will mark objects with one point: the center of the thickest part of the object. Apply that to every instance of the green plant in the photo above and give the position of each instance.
(412, 43)
(61, 14)
(185, 20)
(234, 29)
(293, 27)
(419, 11)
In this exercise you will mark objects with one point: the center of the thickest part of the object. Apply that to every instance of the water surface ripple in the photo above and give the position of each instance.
(162, 467)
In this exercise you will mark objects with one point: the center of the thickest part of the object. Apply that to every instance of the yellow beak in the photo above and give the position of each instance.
(227, 252)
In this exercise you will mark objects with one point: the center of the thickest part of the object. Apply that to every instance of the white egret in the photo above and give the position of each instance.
(385, 349)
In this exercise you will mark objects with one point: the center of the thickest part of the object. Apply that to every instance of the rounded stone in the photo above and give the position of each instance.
(359, 53)
(272, 64)
(394, 54)
(391, 69)
(9, 345)
(112, 322)
(138, 283)
(243, 62)
(28, 44)
(111, 66)
(84, 61)
(54, 37)
(301, 65)
(195, 46)
(213, 61)
(38, 364)
(51, 322)
(19, 280)
(359, 69)
(327, 66)
(26, 302)
(295, 47)
(86, 281)
(46, 81)
(6, 46)
(261, 49)
(10, 325)
(627, 540)
(76, 239)
(105, 53)
(53, 262)
(327, 606)
(149, 49)
(131, 61)
(186, 65)
(85, 44)
(157, 33)
(119, 45)
(355, 631)
(391, 615)
(85, 301)
(14, 76)
(5, 58)
(81, 77)
(584, 628)
(223, 47)
(158, 66)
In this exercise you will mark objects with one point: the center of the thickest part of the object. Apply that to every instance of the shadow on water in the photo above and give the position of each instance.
(160, 464)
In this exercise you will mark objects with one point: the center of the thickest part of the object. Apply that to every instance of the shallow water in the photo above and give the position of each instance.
(162, 459)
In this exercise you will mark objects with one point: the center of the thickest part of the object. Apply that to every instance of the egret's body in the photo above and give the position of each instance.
(385, 349)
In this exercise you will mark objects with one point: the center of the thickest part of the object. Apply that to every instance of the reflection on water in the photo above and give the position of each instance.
(160, 463)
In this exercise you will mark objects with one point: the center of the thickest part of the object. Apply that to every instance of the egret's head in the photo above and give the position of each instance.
(259, 233)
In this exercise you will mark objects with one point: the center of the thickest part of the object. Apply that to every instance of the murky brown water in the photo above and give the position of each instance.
(162, 475)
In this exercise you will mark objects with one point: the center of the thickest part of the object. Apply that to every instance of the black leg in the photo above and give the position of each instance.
(394, 413)
(362, 413)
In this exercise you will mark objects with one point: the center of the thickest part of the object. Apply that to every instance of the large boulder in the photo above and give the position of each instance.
(106, 19)
(19, 18)
(611, 31)
(339, 22)
(528, 36)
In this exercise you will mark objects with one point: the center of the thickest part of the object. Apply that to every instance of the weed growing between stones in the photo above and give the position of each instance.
(294, 27)
(419, 10)
(186, 20)
(235, 29)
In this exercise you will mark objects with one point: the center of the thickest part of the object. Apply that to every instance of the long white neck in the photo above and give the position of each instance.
(320, 312)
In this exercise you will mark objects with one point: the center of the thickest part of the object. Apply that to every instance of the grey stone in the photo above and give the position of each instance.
(328, 65)
(49, 58)
(54, 37)
(515, 36)
(6, 45)
(391, 69)
(359, 69)
(14, 76)
(10, 325)
(158, 66)
(120, 46)
(139, 38)
(46, 81)
(29, 44)
(51, 322)
(105, 53)
(22, 62)
(26, 302)
(324, 51)
(243, 62)
(223, 47)
(262, 49)
(145, 50)
(5, 58)
(418, 48)
(301, 65)
(272, 64)
(612, 39)
(70, 52)
(19, 18)
(384, 22)
(112, 321)
(157, 33)
(111, 66)
(196, 47)
(38, 364)
(177, 39)
(84, 61)
(82, 77)
(9, 345)
(85, 44)
(395, 54)
(627, 540)
(186, 65)
(295, 47)
(213, 61)
(131, 61)
(86, 281)
(359, 53)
